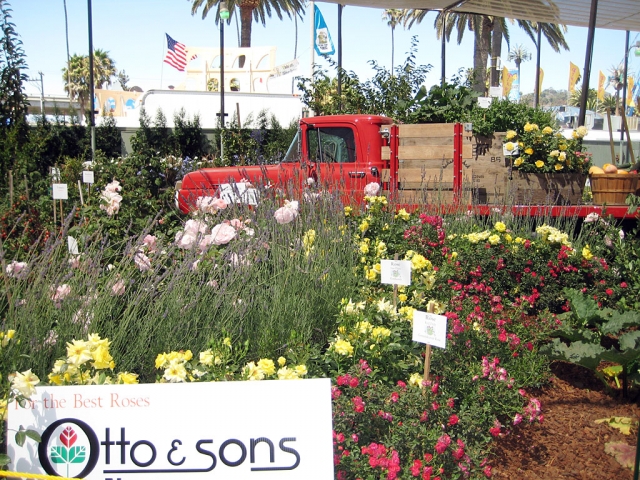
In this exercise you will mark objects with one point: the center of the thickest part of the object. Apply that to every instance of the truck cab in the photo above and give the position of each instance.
(339, 154)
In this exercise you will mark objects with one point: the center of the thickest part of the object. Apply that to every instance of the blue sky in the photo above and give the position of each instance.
(132, 31)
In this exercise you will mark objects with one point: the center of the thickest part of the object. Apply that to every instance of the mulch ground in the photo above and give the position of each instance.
(569, 444)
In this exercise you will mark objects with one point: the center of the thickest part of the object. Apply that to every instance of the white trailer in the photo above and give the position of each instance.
(206, 105)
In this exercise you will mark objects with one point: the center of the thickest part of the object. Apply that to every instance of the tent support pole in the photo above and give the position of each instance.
(587, 63)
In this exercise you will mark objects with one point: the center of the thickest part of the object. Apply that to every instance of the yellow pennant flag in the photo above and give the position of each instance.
(507, 80)
(629, 91)
(574, 76)
(540, 82)
(601, 80)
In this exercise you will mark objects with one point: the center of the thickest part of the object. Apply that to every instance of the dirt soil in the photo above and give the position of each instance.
(568, 444)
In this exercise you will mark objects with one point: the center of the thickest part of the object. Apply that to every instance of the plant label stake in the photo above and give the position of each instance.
(80, 192)
(395, 272)
(59, 192)
(88, 178)
(430, 329)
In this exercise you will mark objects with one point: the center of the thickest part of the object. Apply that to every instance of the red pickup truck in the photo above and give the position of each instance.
(428, 164)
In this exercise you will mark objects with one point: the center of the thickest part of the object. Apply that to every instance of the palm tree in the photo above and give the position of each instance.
(251, 10)
(76, 75)
(616, 80)
(393, 17)
(489, 37)
(518, 55)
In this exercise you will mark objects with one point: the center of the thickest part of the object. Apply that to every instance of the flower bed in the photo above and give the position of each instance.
(191, 306)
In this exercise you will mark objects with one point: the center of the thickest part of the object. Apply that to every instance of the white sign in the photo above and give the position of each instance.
(87, 176)
(495, 92)
(73, 245)
(60, 191)
(395, 272)
(484, 102)
(285, 68)
(430, 328)
(276, 429)
(238, 193)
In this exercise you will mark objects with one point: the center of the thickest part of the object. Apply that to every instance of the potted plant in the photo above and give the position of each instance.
(546, 167)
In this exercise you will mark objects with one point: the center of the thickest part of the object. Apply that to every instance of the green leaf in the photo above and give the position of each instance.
(624, 358)
(4, 459)
(620, 321)
(33, 435)
(586, 354)
(21, 436)
(630, 340)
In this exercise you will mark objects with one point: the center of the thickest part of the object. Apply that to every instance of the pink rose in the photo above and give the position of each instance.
(16, 269)
(372, 189)
(118, 288)
(288, 213)
(149, 241)
(222, 234)
(142, 262)
(210, 204)
(61, 292)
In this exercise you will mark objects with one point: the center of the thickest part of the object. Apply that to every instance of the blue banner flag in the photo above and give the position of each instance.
(323, 43)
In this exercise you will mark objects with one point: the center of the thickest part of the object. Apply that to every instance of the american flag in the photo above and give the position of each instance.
(176, 55)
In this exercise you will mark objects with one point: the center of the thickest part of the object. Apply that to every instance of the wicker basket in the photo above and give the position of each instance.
(612, 188)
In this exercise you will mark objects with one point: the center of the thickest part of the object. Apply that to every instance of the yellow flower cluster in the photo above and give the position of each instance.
(418, 261)
(86, 360)
(546, 151)
(553, 235)
(342, 347)
(350, 308)
(6, 337)
(308, 240)
(175, 366)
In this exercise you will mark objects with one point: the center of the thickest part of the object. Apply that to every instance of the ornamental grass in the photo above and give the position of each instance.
(291, 289)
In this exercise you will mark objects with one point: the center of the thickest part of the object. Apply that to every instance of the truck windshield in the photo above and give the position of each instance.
(332, 144)
(293, 154)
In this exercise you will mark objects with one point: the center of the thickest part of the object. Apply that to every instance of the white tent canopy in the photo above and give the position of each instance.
(611, 14)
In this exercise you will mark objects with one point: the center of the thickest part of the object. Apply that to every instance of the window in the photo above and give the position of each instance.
(293, 154)
(331, 145)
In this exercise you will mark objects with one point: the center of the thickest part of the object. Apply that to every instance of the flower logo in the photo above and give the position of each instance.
(69, 448)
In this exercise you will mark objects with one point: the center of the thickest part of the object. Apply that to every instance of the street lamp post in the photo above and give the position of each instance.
(224, 15)
(41, 92)
(625, 80)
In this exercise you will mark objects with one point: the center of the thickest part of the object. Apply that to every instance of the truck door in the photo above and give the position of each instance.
(334, 162)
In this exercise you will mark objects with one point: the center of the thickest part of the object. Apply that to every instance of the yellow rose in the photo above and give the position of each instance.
(510, 146)
(563, 156)
(518, 161)
(500, 227)
(529, 151)
(539, 164)
(559, 166)
(554, 153)
(547, 130)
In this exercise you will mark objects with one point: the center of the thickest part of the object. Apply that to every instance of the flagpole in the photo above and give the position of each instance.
(313, 27)
(164, 40)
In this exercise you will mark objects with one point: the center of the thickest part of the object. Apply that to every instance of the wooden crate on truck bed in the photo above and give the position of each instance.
(489, 167)
(426, 166)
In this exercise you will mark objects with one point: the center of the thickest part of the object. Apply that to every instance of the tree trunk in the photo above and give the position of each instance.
(246, 20)
(393, 49)
(519, 79)
(482, 35)
(496, 52)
